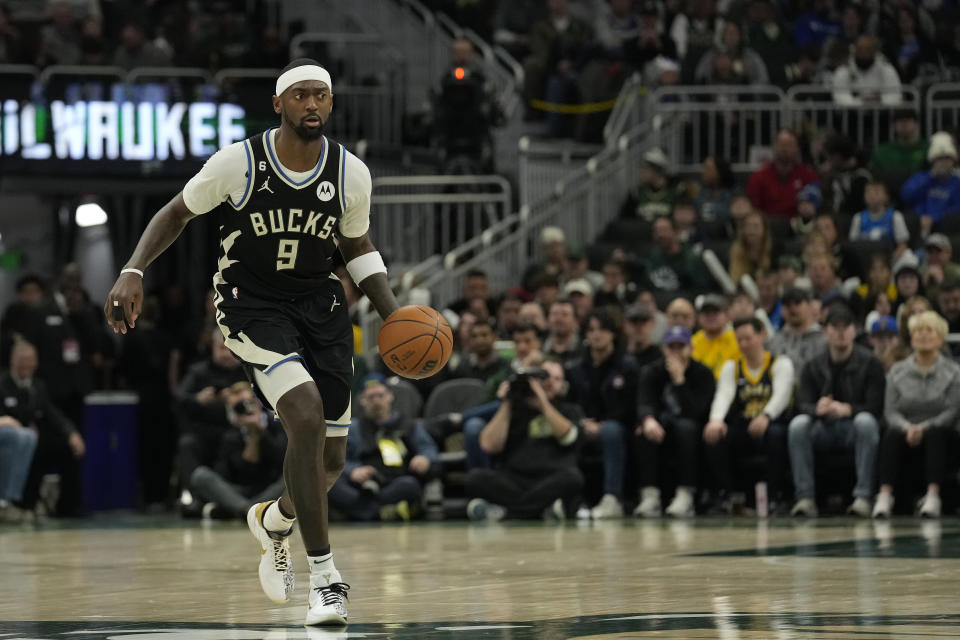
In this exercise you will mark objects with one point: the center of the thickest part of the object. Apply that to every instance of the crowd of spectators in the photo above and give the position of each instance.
(127, 34)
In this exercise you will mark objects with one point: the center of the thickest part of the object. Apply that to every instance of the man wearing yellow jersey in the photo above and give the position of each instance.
(753, 395)
(715, 343)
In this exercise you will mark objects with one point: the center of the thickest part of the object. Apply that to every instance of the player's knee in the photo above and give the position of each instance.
(333, 462)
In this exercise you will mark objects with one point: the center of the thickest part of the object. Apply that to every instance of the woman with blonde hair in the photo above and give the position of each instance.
(921, 410)
(752, 251)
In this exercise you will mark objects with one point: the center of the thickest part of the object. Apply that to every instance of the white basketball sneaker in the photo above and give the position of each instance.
(276, 572)
(327, 600)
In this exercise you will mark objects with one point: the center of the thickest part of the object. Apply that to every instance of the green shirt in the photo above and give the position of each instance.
(894, 157)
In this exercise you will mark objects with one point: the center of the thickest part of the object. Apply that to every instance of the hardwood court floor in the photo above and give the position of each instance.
(157, 579)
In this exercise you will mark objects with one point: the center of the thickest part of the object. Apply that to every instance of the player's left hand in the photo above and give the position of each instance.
(124, 302)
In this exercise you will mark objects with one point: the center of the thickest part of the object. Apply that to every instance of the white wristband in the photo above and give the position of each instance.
(132, 270)
(362, 267)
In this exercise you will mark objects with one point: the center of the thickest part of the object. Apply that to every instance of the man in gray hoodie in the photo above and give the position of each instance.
(801, 338)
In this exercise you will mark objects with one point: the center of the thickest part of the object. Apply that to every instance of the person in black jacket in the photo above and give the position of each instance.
(673, 406)
(839, 406)
(59, 445)
(389, 457)
(604, 382)
(202, 410)
(249, 466)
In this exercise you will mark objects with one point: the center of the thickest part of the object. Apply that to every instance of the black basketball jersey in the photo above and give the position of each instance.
(753, 394)
(278, 241)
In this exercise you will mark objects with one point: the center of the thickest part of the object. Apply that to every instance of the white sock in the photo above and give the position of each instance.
(274, 520)
(322, 568)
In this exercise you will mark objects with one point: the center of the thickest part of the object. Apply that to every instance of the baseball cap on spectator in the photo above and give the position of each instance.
(639, 311)
(811, 193)
(907, 268)
(552, 234)
(578, 285)
(883, 324)
(713, 301)
(373, 380)
(677, 335)
(657, 158)
(941, 146)
(840, 315)
(939, 241)
(796, 294)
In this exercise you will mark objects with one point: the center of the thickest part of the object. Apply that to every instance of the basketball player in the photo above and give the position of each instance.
(287, 198)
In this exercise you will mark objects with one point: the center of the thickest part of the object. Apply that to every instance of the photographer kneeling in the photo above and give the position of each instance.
(534, 438)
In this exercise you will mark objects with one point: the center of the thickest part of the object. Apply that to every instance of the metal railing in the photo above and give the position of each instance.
(943, 106)
(541, 166)
(419, 216)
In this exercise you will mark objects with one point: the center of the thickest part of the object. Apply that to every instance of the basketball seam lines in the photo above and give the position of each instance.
(395, 347)
(430, 346)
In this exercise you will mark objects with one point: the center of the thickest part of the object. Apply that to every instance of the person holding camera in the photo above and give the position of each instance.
(604, 383)
(249, 466)
(389, 457)
(534, 437)
(673, 406)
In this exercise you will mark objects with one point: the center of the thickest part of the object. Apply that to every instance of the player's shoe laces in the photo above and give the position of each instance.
(327, 602)
(276, 572)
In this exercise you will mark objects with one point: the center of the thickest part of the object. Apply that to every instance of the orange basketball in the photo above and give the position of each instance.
(415, 341)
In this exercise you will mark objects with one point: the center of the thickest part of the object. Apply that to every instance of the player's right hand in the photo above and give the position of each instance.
(127, 293)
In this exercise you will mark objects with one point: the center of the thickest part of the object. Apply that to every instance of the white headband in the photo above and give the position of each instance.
(303, 72)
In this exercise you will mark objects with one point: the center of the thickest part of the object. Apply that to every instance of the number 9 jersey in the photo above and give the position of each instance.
(279, 229)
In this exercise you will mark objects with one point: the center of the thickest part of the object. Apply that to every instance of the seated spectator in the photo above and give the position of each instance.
(18, 442)
(716, 191)
(603, 383)
(907, 47)
(508, 314)
(949, 304)
(823, 276)
(905, 311)
(883, 336)
(580, 294)
(773, 189)
(558, 45)
(534, 438)
(817, 25)
(921, 409)
(684, 216)
(476, 296)
(615, 290)
(563, 339)
(638, 330)
(867, 78)
(660, 324)
(531, 313)
(553, 243)
(740, 207)
(809, 202)
(934, 193)
(752, 251)
(939, 266)
(674, 399)
(136, 51)
(546, 291)
(747, 65)
(249, 465)
(389, 456)
(879, 283)
(753, 395)
(880, 221)
(615, 23)
(852, 26)
(908, 282)
(203, 415)
(670, 266)
(789, 272)
(839, 406)
(895, 161)
(768, 300)
(845, 260)
(715, 342)
(654, 197)
(483, 361)
(58, 446)
(843, 176)
(652, 42)
(578, 267)
(801, 338)
(680, 312)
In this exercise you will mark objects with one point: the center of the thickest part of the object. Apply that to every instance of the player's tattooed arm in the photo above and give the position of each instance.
(127, 292)
(375, 286)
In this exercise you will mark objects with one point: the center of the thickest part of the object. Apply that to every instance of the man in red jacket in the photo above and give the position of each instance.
(774, 188)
